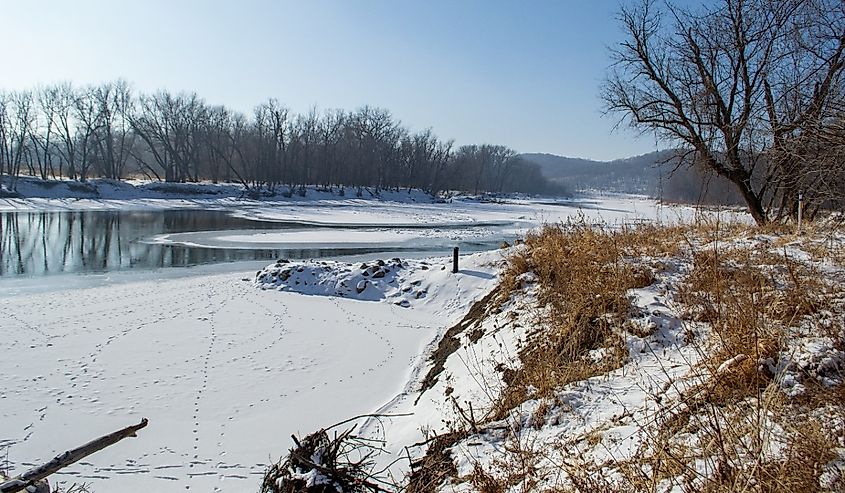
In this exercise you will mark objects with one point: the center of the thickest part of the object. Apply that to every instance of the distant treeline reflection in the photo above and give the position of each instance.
(36, 243)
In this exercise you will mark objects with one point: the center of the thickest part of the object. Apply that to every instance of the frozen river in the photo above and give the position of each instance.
(34, 243)
(102, 325)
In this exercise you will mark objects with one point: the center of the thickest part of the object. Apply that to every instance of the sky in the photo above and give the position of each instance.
(521, 74)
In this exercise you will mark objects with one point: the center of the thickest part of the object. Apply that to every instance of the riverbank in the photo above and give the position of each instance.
(225, 372)
(696, 357)
(104, 194)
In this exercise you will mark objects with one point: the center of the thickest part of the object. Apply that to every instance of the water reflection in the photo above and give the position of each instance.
(38, 243)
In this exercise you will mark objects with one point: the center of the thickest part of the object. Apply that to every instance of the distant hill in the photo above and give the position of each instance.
(651, 174)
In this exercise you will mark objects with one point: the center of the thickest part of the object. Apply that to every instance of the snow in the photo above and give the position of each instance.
(224, 371)
(402, 209)
(228, 365)
(338, 237)
(401, 282)
(612, 405)
(107, 194)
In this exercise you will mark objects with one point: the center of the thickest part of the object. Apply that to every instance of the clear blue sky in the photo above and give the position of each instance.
(523, 74)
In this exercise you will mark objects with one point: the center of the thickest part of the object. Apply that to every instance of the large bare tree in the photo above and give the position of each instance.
(736, 83)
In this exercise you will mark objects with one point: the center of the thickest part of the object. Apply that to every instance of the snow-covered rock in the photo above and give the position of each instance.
(395, 280)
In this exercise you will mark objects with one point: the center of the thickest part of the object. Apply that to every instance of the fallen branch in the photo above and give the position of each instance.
(65, 459)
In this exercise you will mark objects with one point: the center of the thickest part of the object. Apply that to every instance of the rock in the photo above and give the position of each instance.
(380, 262)
(364, 266)
(362, 285)
(378, 274)
(424, 267)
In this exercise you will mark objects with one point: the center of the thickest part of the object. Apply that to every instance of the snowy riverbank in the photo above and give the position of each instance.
(225, 372)
(320, 207)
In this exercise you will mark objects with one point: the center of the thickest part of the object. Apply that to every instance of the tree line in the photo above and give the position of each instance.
(109, 131)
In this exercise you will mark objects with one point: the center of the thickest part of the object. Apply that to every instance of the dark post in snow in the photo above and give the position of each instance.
(455, 260)
(800, 210)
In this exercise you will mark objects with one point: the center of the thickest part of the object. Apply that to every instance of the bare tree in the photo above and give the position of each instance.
(171, 128)
(105, 131)
(18, 117)
(42, 136)
(330, 131)
(64, 103)
(87, 116)
(732, 82)
(113, 137)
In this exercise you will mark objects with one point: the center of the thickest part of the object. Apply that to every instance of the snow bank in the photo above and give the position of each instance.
(427, 284)
(398, 281)
(610, 418)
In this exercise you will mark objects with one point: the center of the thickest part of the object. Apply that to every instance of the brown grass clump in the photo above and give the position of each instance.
(583, 277)
(755, 445)
(749, 298)
(738, 431)
(515, 468)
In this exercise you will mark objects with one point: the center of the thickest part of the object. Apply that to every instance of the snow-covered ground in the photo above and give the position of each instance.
(224, 371)
(394, 209)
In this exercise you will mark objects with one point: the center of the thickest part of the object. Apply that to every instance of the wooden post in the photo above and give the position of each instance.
(455, 260)
(800, 210)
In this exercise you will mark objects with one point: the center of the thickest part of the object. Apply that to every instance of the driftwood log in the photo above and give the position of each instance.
(36, 474)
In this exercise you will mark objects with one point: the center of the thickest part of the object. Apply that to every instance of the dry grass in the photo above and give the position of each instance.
(754, 445)
(584, 279)
(749, 298)
(436, 466)
(737, 431)
(73, 488)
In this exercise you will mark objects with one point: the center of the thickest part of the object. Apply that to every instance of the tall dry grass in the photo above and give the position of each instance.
(736, 431)
(584, 273)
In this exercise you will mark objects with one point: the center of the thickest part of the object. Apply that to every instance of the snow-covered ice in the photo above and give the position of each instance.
(225, 372)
